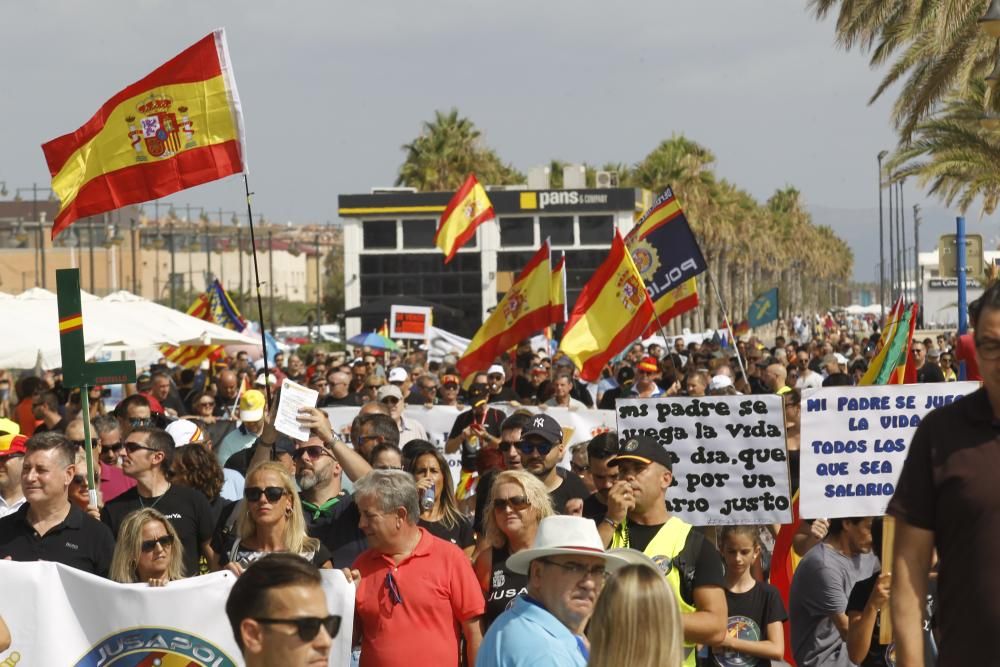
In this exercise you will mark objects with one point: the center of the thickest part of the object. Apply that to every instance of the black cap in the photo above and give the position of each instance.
(478, 394)
(543, 426)
(644, 449)
(284, 445)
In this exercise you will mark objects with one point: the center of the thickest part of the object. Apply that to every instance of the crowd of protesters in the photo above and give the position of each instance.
(192, 477)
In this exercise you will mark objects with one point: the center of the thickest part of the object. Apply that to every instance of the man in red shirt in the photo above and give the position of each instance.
(414, 589)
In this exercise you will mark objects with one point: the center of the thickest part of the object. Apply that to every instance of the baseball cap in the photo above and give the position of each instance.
(626, 376)
(284, 445)
(539, 370)
(933, 353)
(841, 359)
(388, 390)
(398, 374)
(13, 444)
(544, 427)
(478, 394)
(644, 449)
(648, 364)
(9, 426)
(252, 406)
(184, 432)
(271, 380)
(450, 379)
(496, 369)
(720, 382)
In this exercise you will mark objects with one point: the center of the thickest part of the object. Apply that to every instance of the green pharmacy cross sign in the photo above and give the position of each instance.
(76, 371)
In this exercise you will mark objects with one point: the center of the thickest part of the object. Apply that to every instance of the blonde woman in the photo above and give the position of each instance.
(635, 599)
(270, 521)
(148, 550)
(518, 501)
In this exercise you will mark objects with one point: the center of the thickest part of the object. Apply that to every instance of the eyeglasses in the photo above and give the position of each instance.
(308, 626)
(145, 421)
(314, 452)
(133, 447)
(272, 493)
(147, 546)
(543, 448)
(393, 587)
(80, 480)
(516, 503)
(597, 572)
(206, 404)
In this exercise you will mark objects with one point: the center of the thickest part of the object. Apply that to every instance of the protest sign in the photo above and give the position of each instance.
(411, 322)
(99, 622)
(730, 459)
(854, 442)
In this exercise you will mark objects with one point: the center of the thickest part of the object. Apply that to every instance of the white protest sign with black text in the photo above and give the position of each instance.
(855, 440)
(730, 462)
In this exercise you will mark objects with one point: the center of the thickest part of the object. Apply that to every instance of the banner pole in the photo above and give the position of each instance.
(260, 303)
(88, 445)
(729, 325)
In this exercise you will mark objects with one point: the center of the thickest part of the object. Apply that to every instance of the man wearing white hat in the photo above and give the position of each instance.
(566, 567)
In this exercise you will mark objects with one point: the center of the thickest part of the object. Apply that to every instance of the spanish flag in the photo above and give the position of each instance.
(469, 208)
(612, 311)
(178, 127)
(558, 297)
(525, 309)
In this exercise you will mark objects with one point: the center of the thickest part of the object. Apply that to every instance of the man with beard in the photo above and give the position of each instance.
(541, 448)
(600, 451)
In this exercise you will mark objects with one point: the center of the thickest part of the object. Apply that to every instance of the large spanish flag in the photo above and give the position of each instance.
(523, 311)
(558, 297)
(612, 311)
(178, 127)
(469, 208)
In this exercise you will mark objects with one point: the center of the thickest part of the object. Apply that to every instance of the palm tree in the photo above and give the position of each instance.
(448, 149)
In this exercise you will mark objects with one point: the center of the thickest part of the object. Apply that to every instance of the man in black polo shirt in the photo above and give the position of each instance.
(147, 456)
(48, 526)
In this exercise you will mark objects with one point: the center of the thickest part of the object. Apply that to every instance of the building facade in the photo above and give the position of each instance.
(389, 247)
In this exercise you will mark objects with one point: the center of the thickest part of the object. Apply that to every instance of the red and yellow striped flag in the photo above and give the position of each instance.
(558, 298)
(612, 311)
(191, 356)
(469, 208)
(178, 127)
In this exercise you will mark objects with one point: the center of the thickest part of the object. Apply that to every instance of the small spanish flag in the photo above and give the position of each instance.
(557, 300)
(178, 127)
(469, 208)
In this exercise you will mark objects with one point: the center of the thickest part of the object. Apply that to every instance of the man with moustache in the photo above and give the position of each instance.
(601, 449)
(541, 448)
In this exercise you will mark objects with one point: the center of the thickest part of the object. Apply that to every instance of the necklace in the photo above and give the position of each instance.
(153, 504)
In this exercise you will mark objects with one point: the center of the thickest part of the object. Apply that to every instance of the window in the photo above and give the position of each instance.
(379, 234)
(513, 261)
(558, 228)
(419, 233)
(517, 232)
(596, 229)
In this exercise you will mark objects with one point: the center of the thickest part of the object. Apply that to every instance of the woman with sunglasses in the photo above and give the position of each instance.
(271, 521)
(440, 515)
(148, 550)
(517, 503)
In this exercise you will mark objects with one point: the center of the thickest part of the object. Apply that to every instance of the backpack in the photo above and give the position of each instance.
(685, 563)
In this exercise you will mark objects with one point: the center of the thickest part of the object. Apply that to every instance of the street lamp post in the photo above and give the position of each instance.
(34, 190)
(917, 273)
(902, 235)
(881, 238)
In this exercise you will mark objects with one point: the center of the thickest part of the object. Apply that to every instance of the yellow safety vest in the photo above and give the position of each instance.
(665, 545)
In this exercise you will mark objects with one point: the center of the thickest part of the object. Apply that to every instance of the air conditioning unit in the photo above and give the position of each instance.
(574, 177)
(538, 178)
(606, 179)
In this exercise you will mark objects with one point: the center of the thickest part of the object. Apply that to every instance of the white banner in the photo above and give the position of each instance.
(730, 459)
(61, 616)
(854, 442)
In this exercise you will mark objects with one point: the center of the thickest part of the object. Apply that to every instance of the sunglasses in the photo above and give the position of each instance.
(516, 503)
(314, 452)
(146, 421)
(543, 448)
(80, 480)
(115, 446)
(272, 493)
(393, 587)
(307, 627)
(391, 400)
(206, 404)
(78, 443)
(449, 387)
(147, 546)
(133, 447)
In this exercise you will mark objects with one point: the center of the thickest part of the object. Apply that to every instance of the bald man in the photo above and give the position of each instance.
(227, 389)
(774, 377)
(340, 391)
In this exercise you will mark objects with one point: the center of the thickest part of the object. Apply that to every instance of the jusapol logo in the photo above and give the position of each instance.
(154, 646)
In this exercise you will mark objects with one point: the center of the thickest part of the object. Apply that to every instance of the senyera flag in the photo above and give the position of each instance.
(178, 127)
(469, 208)
(612, 311)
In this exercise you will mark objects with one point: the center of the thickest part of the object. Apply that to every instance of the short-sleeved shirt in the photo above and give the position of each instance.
(527, 635)
(79, 541)
(504, 585)
(856, 602)
(948, 485)
(593, 508)
(820, 589)
(337, 527)
(749, 615)
(186, 508)
(439, 592)
(460, 534)
(571, 487)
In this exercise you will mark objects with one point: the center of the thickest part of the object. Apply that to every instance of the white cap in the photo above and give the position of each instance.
(398, 374)
(841, 359)
(496, 369)
(720, 382)
(184, 432)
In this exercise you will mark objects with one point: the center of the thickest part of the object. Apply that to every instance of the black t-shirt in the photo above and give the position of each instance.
(708, 569)
(351, 400)
(930, 373)
(609, 397)
(80, 541)
(582, 394)
(339, 532)
(504, 586)
(505, 395)
(593, 508)
(460, 534)
(483, 488)
(187, 509)
(523, 388)
(491, 424)
(571, 487)
(856, 602)
(749, 615)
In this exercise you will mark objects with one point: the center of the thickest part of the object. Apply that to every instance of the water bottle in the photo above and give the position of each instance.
(427, 499)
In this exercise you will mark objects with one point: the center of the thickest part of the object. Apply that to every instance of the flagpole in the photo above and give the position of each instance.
(256, 278)
(729, 325)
